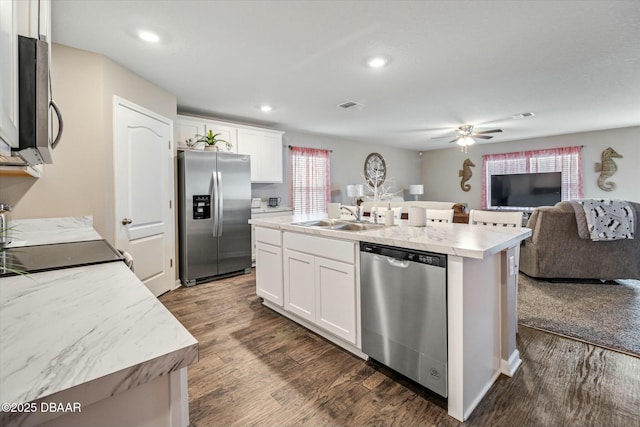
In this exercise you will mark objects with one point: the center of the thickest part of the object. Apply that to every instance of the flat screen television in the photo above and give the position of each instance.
(526, 191)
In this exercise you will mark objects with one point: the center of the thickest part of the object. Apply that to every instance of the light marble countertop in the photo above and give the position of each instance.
(63, 329)
(470, 241)
(266, 209)
(31, 232)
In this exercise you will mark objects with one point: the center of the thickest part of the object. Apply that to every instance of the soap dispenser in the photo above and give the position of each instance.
(4, 225)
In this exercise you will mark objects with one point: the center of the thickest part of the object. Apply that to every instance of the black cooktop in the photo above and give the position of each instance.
(33, 259)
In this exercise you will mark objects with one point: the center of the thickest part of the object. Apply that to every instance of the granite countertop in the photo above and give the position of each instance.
(470, 241)
(62, 329)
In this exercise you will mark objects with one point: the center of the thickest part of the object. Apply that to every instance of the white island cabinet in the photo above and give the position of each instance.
(269, 265)
(321, 292)
(318, 287)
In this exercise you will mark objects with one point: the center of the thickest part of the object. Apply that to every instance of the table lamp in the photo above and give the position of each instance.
(416, 190)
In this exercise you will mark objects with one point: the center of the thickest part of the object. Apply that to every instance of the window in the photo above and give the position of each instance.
(310, 183)
(566, 160)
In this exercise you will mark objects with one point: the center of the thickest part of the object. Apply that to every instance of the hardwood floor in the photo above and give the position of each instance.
(259, 368)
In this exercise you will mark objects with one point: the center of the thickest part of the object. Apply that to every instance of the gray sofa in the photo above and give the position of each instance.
(555, 250)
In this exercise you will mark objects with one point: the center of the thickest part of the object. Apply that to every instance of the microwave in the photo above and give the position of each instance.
(34, 145)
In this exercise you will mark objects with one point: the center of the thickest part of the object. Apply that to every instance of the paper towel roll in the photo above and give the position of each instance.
(417, 216)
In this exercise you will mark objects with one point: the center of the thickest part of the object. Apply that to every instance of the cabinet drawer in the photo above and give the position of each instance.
(339, 250)
(268, 235)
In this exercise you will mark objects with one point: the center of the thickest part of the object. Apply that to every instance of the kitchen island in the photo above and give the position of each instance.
(481, 291)
(88, 345)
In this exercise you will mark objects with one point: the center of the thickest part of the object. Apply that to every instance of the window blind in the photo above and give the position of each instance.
(310, 183)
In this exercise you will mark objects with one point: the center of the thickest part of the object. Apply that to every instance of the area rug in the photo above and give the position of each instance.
(604, 314)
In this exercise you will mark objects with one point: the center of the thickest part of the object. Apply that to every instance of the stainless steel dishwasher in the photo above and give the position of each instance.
(403, 299)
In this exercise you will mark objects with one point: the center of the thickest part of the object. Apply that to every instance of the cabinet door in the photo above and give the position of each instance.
(249, 143)
(265, 149)
(336, 298)
(187, 127)
(299, 284)
(227, 133)
(271, 158)
(269, 273)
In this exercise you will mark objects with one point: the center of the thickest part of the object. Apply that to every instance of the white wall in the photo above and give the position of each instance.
(347, 164)
(439, 168)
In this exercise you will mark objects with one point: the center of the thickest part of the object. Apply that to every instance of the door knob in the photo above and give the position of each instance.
(126, 221)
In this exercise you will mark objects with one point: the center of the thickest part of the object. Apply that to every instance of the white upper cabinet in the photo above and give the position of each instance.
(263, 145)
(227, 133)
(187, 127)
(265, 149)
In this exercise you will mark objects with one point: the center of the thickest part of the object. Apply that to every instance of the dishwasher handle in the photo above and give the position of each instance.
(399, 263)
(403, 254)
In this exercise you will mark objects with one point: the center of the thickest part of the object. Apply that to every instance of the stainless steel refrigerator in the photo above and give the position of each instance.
(214, 193)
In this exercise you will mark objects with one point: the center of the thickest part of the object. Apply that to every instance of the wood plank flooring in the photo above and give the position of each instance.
(259, 368)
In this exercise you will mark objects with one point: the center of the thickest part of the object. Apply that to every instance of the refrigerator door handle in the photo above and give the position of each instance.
(220, 204)
(214, 199)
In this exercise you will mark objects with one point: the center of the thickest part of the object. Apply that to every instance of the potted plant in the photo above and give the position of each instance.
(211, 139)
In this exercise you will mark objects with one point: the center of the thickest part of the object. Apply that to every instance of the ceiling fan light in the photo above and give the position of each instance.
(465, 141)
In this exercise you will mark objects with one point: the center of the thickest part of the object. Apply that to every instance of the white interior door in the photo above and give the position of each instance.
(144, 196)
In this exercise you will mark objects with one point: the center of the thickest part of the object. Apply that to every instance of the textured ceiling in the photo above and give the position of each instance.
(575, 64)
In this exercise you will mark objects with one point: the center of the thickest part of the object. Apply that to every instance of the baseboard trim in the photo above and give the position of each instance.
(510, 367)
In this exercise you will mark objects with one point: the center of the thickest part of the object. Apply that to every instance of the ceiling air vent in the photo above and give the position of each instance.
(522, 116)
(350, 105)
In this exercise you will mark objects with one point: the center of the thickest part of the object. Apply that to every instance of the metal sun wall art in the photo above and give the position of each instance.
(607, 167)
(466, 174)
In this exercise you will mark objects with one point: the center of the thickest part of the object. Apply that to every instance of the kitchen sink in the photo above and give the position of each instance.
(338, 225)
(316, 223)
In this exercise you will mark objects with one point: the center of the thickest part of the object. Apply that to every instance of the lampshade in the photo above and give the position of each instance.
(416, 189)
(355, 190)
(467, 140)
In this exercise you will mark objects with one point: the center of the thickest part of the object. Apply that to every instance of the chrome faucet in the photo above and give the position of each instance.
(356, 213)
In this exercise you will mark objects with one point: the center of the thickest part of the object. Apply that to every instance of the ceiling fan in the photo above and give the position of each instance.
(466, 134)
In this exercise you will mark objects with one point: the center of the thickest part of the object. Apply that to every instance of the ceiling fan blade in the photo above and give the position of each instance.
(443, 136)
(482, 136)
(454, 140)
(488, 131)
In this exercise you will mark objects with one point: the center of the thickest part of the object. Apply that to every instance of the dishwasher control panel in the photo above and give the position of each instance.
(421, 257)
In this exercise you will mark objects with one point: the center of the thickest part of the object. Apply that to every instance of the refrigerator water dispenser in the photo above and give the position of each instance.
(202, 207)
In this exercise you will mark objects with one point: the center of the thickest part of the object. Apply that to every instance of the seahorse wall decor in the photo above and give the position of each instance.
(466, 174)
(607, 167)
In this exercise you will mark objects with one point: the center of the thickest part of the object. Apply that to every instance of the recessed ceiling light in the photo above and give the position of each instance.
(266, 108)
(377, 62)
(148, 36)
